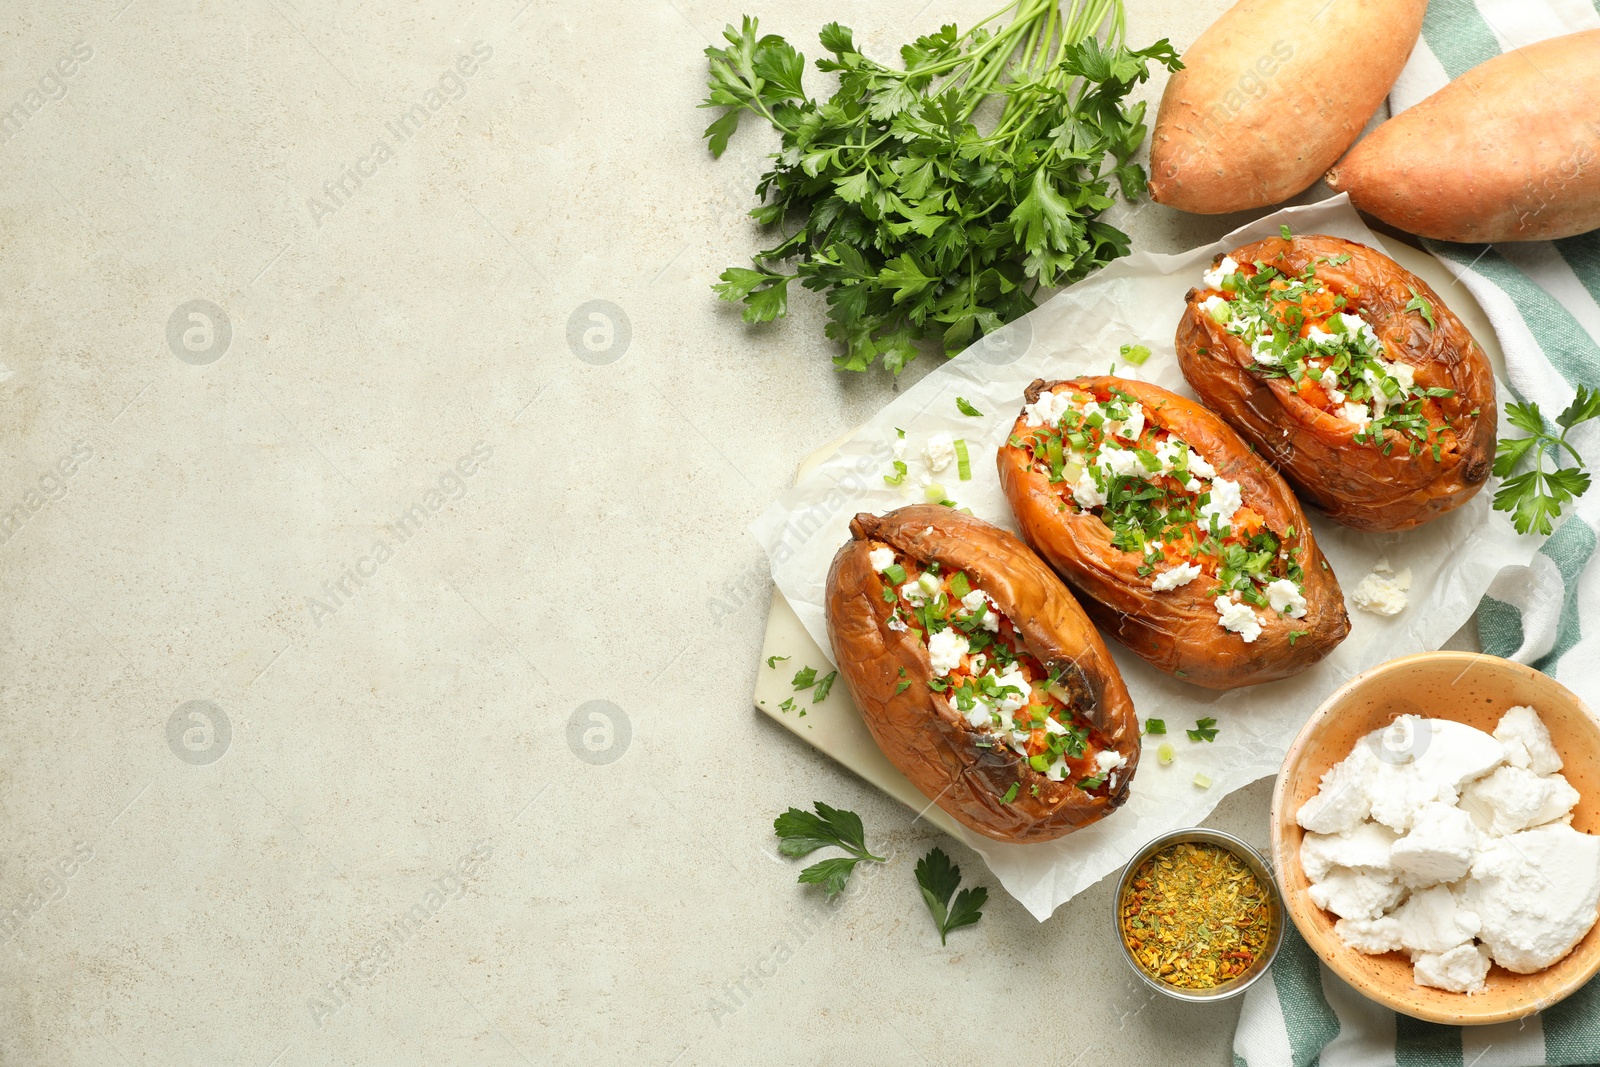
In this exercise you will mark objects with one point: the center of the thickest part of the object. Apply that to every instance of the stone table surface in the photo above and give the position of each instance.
(380, 620)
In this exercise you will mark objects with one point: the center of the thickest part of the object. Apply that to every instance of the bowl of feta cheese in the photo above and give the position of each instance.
(1436, 837)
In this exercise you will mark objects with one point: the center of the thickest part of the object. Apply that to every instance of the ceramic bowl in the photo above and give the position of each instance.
(1468, 688)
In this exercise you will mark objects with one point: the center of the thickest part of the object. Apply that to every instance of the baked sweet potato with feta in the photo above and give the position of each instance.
(1181, 543)
(979, 675)
(1348, 373)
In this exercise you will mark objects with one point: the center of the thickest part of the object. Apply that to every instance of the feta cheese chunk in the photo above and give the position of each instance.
(1238, 618)
(1087, 492)
(1356, 894)
(1514, 798)
(1383, 592)
(991, 617)
(1341, 803)
(1121, 462)
(1225, 500)
(945, 650)
(1461, 970)
(1356, 413)
(1439, 847)
(939, 452)
(1423, 760)
(1284, 597)
(1219, 274)
(1173, 577)
(1372, 936)
(1199, 467)
(1048, 409)
(1431, 920)
(1527, 741)
(1366, 845)
(1109, 759)
(1536, 893)
(1012, 701)
(881, 559)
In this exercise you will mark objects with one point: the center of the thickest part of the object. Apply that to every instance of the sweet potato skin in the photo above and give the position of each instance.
(1270, 97)
(917, 730)
(1509, 151)
(1354, 484)
(1177, 631)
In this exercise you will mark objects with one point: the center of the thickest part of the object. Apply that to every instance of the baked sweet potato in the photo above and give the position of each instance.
(1181, 542)
(1270, 95)
(1348, 373)
(1509, 151)
(978, 674)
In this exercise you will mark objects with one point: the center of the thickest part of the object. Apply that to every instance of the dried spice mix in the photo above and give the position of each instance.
(1195, 916)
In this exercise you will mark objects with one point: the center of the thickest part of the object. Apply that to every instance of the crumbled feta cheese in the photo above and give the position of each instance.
(1527, 741)
(1109, 759)
(1238, 618)
(1372, 936)
(1012, 701)
(881, 559)
(1461, 970)
(1356, 413)
(939, 452)
(1219, 274)
(1438, 848)
(1225, 501)
(945, 650)
(1173, 577)
(1284, 597)
(1536, 893)
(1048, 409)
(1130, 428)
(1318, 336)
(980, 717)
(1120, 462)
(1514, 798)
(900, 448)
(1356, 326)
(1216, 307)
(1383, 592)
(1365, 845)
(914, 593)
(1431, 920)
(1199, 467)
(1423, 760)
(897, 623)
(1356, 894)
(1341, 803)
(1404, 373)
(1087, 492)
(1330, 382)
(1261, 350)
(991, 617)
(1052, 726)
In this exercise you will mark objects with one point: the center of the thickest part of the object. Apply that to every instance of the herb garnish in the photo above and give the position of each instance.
(966, 408)
(802, 833)
(1535, 497)
(938, 878)
(773, 661)
(1205, 730)
(912, 220)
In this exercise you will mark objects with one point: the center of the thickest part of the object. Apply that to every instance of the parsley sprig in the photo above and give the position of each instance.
(909, 217)
(801, 833)
(1534, 497)
(938, 878)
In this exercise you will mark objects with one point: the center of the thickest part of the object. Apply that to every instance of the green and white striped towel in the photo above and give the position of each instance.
(1544, 301)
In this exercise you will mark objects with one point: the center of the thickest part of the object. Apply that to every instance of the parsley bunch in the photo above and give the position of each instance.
(1534, 497)
(913, 220)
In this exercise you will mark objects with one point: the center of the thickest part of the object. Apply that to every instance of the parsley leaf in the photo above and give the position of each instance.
(805, 678)
(966, 408)
(773, 661)
(820, 694)
(1011, 794)
(1155, 726)
(801, 833)
(939, 878)
(1419, 303)
(1205, 730)
(930, 202)
(1535, 497)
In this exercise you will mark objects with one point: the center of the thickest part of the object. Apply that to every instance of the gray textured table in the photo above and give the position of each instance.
(328, 525)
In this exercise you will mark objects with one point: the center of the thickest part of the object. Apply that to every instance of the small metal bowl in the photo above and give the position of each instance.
(1263, 873)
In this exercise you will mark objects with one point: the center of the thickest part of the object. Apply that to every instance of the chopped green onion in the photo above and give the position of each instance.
(1052, 449)
(1040, 763)
(934, 493)
(966, 408)
(1155, 726)
(1011, 794)
(895, 573)
(963, 464)
(1166, 753)
(959, 586)
(1135, 354)
(1202, 781)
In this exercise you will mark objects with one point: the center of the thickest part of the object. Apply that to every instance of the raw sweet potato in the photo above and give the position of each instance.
(1509, 151)
(1271, 95)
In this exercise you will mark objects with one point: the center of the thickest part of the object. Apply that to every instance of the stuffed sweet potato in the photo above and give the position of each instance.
(1181, 542)
(1348, 373)
(978, 674)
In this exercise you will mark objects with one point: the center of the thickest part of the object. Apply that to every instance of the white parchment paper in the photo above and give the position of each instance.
(1137, 300)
